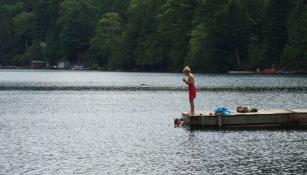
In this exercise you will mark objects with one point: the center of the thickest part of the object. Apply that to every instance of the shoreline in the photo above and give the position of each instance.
(157, 71)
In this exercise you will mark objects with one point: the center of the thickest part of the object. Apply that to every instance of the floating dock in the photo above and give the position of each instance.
(283, 118)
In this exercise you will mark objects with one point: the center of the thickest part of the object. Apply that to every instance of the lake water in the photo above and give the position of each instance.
(70, 122)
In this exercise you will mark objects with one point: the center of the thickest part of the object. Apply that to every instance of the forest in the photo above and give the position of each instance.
(156, 35)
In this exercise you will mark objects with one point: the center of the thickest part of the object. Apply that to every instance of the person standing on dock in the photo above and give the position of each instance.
(190, 81)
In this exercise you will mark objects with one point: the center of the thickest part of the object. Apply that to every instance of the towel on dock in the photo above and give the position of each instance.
(222, 110)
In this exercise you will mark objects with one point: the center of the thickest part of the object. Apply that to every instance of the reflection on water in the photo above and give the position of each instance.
(131, 132)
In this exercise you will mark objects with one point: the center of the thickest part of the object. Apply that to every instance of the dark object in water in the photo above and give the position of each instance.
(178, 122)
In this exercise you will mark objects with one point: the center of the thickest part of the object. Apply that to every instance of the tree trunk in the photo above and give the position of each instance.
(26, 44)
(238, 57)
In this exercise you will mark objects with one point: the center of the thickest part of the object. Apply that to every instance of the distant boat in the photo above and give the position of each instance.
(79, 68)
(269, 71)
(241, 72)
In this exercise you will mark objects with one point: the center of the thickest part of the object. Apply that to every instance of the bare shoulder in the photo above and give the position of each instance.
(191, 76)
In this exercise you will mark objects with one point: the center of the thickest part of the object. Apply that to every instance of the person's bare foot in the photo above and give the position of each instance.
(191, 113)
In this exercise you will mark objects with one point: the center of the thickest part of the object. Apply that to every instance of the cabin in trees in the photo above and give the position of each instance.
(39, 64)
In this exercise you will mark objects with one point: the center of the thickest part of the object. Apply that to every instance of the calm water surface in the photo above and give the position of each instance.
(87, 79)
(131, 132)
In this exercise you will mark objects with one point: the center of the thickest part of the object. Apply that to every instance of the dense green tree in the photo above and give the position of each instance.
(52, 35)
(275, 31)
(23, 28)
(295, 53)
(42, 18)
(107, 40)
(76, 26)
(208, 49)
(6, 36)
(156, 35)
(256, 14)
(149, 51)
(11, 45)
(175, 27)
(221, 35)
(138, 34)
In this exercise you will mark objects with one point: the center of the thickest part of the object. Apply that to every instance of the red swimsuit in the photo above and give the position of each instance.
(192, 91)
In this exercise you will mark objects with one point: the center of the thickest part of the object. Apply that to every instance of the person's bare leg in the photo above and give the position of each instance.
(192, 106)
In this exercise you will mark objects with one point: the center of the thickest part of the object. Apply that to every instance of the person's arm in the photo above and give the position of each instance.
(190, 80)
(185, 80)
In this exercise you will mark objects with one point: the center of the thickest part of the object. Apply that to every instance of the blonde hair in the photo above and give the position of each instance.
(186, 69)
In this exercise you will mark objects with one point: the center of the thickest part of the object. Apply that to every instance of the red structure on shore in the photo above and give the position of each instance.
(39, 64)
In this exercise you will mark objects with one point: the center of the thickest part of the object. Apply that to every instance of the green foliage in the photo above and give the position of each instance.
(275, 31)
(148, 52)
(295, 53)
(106, 43)
(6, 36)
(34, 52)
(138, 38)
(176, 25)
(255, 10)
(156, 35)
(208, 44)
(76, 25)
(23, 25)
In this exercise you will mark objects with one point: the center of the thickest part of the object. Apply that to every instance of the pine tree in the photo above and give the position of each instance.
(295, 54)
(175, 25)
(275, 31)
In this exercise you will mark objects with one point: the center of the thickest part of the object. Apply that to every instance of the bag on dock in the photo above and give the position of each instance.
(222, 110)
(246, 109)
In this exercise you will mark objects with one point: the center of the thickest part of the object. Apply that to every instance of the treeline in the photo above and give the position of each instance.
(160, 35)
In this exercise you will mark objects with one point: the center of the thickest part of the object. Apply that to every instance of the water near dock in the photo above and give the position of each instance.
(70, 122)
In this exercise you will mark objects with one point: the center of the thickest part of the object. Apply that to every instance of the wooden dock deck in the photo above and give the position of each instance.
(263, 118)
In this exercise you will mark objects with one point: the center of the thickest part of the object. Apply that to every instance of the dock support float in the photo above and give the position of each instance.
(219, 118)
